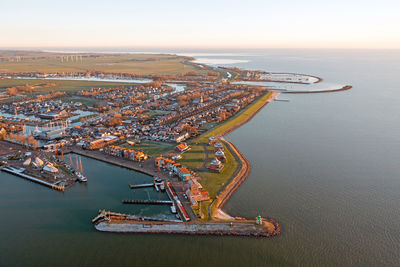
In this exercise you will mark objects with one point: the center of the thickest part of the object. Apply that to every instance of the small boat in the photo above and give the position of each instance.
(173, 209)
(81, 177)
(162, 187)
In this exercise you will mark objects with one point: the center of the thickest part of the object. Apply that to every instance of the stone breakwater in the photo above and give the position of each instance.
(225, 228)
(344, 88)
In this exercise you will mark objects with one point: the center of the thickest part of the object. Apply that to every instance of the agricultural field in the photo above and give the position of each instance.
(59, 85)
(141, 64)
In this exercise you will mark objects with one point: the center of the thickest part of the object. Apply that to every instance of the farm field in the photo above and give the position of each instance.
(141, 64)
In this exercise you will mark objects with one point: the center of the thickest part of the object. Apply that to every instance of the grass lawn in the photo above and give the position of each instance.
(204, 209)
(213, 181)
(151, 148)
(194, 158)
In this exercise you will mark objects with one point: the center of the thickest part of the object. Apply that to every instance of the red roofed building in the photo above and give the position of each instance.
(182, 147)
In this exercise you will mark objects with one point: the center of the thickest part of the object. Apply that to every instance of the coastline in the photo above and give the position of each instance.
(215, 208)
(219, 219)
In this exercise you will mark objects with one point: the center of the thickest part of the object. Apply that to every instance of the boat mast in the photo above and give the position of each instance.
(80, 161)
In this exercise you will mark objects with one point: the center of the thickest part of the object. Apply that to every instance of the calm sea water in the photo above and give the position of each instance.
(326, 166)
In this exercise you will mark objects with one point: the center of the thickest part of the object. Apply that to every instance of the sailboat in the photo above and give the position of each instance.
(81, 177)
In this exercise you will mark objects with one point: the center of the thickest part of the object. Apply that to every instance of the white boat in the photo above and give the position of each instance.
(173, 209)
(81, 177)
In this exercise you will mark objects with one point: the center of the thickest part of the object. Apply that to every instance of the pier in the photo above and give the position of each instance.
(151, 202)
(282, 100)
(140, 185)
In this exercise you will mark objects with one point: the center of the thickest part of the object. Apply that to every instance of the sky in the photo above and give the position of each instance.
(200, 24)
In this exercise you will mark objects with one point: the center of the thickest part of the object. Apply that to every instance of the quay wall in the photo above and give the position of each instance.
(231, 228)
(114, 160)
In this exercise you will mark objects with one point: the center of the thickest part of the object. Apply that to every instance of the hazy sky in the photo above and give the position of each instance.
(200, 24)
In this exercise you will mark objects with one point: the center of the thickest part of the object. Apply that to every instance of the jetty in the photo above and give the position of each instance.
(266, 228)
(149, 201)
(141, 185)
(344, 88)
(157, 186)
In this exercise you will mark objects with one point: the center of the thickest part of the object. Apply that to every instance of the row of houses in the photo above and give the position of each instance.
(126, 153)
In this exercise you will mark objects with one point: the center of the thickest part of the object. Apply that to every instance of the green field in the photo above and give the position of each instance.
(151, 148)
(62, 85)
(213, 181)
(156, 112)
(142, 64)
(194, 158)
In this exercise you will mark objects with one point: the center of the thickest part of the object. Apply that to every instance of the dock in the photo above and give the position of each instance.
(19, 172)
(149, 201)
(140, 185)
(157, 186)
